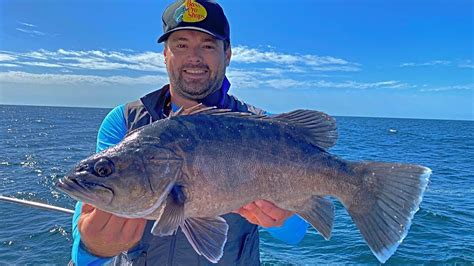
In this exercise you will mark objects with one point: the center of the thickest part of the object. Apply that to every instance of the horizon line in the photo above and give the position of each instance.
(382, 117)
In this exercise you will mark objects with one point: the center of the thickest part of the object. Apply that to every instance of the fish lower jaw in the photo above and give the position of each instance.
(87, 192)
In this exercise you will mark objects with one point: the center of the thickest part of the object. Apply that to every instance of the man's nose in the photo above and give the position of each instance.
(195, 55)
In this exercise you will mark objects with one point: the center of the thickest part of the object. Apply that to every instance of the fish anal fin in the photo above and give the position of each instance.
(319, 212)
(207, 236)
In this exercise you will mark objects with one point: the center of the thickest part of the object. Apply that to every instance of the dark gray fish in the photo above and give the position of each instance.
(187, 170)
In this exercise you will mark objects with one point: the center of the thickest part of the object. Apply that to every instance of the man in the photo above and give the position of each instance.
(197, 51)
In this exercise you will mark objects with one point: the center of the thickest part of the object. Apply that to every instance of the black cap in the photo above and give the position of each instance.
(202, 15)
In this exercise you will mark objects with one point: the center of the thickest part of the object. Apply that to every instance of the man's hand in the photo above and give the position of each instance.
(107, 235)
(264, 213)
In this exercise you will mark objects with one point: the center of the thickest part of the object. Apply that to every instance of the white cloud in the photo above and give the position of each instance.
(390, 84)
(254, 79)
(68, 79)
(240, 79)
(28, 24)
(31, 32)
(430, 63)
(336, 68)
(8, 65)
(40, 54)
(6, 57)
(89, 60)
(40, 64)
(466, 64)
(458, 63)
(277, 63)
(467, 87)
(279, 70)
(246, 55)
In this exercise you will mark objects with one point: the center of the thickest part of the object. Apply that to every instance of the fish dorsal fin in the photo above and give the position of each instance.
(321, 127)
(196, 109)
(201, 109)
(188, 111)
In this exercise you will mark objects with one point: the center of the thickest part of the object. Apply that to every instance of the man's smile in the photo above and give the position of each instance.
(195, 73)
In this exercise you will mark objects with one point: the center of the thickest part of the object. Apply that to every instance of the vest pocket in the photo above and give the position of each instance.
(249, 253)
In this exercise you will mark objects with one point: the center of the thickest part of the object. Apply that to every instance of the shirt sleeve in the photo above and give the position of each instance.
(111, 132)
(291, 232)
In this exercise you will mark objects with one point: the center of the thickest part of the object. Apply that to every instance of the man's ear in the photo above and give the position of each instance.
(165, 50)
(228, 55)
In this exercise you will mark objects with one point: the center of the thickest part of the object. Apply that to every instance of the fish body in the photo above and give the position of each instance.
(188, 170)
(244, 165)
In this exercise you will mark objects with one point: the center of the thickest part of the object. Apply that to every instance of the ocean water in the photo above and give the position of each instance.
(38, 145)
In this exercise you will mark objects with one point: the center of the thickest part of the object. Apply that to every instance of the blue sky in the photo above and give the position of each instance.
(403, 58)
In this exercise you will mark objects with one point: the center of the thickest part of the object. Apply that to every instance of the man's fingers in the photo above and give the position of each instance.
(267, 207)
(132, 231)
(115, 224)
(263, 219)
(100, 218)
(140, 229)
(264, 213)
(272, 210)
(93, 221)
(87, 208)
(248, 215)
(107, 235)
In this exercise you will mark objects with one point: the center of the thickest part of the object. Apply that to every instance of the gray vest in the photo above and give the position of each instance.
(242, 247)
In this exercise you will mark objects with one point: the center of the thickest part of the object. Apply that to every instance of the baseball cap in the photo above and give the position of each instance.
(202, 15)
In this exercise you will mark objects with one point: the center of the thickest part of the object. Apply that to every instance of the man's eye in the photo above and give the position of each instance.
(209, 47)
(180, 45)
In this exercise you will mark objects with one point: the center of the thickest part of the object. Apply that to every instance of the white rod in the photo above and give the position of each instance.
(36, 204)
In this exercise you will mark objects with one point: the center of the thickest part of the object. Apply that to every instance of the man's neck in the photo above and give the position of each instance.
(181, 101)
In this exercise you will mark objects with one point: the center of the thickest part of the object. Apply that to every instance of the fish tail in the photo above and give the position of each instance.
(384, 206)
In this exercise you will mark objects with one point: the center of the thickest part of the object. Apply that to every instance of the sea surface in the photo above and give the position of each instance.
(38, 145)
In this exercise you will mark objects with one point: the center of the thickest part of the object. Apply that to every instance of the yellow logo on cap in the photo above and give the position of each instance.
(193, 11)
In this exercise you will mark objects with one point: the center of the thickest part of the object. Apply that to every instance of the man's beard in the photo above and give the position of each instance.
(196, 90)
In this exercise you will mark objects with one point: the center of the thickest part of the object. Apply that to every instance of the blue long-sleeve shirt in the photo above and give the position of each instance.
(111, 132)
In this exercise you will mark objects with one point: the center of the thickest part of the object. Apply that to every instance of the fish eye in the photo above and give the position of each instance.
(104, 167)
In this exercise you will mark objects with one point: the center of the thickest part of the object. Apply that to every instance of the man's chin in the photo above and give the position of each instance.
(195, 93)
(194, 96)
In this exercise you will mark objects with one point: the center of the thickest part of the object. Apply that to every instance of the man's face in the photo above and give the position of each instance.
(196, 63)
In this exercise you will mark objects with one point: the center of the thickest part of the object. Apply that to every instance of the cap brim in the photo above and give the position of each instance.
(165, 36)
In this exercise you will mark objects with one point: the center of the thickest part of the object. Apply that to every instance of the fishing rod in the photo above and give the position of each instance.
(35, 204)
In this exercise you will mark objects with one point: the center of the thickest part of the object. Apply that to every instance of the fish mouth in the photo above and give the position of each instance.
(85, 191)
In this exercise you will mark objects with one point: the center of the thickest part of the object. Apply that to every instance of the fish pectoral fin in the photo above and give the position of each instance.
(319, 212)
(172, 214)
(207, 235)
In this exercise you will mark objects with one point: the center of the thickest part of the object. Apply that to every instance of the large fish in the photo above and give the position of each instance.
(188, 170)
